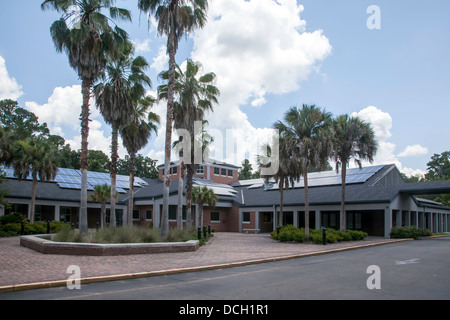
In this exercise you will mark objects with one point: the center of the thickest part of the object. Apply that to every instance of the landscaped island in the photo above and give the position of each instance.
(294, 234)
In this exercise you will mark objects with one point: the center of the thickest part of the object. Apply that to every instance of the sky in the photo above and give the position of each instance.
(385, 61)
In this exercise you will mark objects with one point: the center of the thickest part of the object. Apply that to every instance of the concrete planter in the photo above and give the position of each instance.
(44, 244)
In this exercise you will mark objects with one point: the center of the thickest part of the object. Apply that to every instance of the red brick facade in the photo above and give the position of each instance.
(219, 173)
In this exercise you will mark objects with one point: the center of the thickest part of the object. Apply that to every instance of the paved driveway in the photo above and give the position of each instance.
(20, 265)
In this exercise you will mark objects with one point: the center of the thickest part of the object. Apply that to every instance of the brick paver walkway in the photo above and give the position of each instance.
(20, 265)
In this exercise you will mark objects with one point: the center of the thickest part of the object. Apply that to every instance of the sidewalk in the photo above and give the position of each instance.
(22, 268)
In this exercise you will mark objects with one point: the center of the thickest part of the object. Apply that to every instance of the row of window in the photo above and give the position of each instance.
(201, 170)
(215, 215)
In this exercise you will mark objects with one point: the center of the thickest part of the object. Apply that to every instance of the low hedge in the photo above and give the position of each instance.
(409, 232)
(11, 224)
(290, 233)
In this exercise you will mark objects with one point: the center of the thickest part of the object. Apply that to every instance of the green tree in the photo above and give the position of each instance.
(22, 123)
(83, 32)
(306, 134)
(201, 196)
(246, 170)
(144, 167)
(123, 80)
(34, 157)
(438, 167)
(135, 136)
(195, 94)
(175, 19)
(351, 138)
(102, 194)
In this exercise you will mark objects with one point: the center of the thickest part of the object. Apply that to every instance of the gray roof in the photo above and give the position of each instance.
(382, 186)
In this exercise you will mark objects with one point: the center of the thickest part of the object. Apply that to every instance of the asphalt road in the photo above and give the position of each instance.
(402, 271)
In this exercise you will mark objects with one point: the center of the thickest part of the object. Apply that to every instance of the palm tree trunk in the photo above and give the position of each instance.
(200, 207)
(103, 215)
(86, 92)
(131, 190)
(168, 149)
(189, 181)
(180, 196)
(306, 204)
(114, 157)
(33, 199)
(343, 175)
(280, 223)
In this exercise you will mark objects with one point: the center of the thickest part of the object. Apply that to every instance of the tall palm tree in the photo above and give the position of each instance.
(102, 193)
(175, 19)
(35, 157)
(135, 136)
(306, 131)
(123, 81)
(352, 138)
(201, 196)
(83, 32)
(287, 171)
(195, 94)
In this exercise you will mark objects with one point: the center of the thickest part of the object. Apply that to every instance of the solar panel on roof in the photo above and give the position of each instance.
(329, 178)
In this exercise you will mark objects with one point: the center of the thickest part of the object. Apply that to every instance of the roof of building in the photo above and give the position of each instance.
(206, 162)
(375, 184)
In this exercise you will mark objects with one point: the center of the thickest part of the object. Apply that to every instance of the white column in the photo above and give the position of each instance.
(318, 223)
(296, 218)
(257, 226)
(57, 212)
(387, 222)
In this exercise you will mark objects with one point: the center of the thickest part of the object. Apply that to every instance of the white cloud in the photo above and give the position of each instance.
(382, 124)
(142, 46)
(62, 115)
(62, 108)
(9, 88)
(255, 48)
(413, 151)
(160, 62)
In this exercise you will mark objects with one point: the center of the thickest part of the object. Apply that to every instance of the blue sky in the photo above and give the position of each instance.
(268, 56)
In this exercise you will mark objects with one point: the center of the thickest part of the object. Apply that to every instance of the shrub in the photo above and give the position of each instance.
(12, 218)
(9, 229)
(291, 233)
(35, 228)
(409, 232)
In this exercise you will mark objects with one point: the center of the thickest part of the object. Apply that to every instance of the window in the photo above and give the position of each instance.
(200, 170)
(216, 171)
(148, 214)
(230, 173)
(215, 216)
(174, 170)
(173, 212)
(246, 217)
(135, 214)
(223, 172)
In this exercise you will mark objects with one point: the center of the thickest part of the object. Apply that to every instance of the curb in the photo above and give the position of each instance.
(62, 283)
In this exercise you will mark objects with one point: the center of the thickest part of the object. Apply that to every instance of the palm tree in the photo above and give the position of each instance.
(306, 131)
(352, 138)
(195, 94)
(287, 171)
(135, 136)
(123, 81)
(175, 19)
(84, 34)
(102, 193)
(201, 196)
(35, 157)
